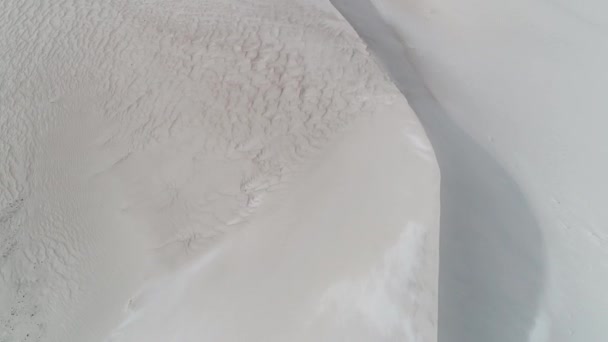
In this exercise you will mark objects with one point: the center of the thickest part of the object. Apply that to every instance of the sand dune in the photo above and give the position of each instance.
(208, 171)
(511, 95)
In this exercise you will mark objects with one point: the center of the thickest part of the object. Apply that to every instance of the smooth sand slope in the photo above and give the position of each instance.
(491, 252)
(511, 94)
(208, 171)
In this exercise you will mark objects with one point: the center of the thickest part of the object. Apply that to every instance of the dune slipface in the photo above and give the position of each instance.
(208, 171)
(511, 94)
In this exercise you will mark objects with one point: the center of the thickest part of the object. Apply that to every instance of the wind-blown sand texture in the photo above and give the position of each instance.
(208, 171)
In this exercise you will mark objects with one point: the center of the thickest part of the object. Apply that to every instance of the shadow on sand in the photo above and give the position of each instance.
(491, 269)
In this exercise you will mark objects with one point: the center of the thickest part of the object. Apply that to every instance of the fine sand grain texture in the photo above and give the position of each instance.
(208, 171)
